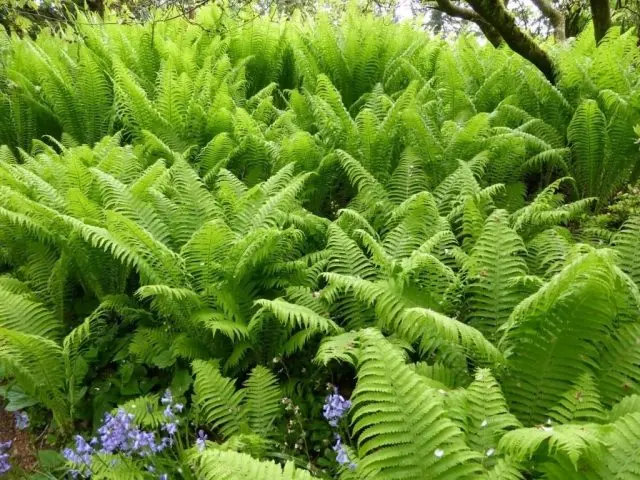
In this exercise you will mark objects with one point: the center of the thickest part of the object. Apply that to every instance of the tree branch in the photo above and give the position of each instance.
(467, 14)
(522, 43)
(601, 14)
(555, 16)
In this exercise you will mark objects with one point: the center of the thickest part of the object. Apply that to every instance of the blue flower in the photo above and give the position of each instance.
(116, 431)
(342, 457)
(201, 440)
(164, 476)
(178, 407)
(81, 457)
(171, 428)
(22, 420)
(166, 442)
(335, 407)
(5, 466)
(118, 434)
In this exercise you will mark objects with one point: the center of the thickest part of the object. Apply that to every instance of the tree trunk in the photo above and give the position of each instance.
(601, 14)
(520, 42)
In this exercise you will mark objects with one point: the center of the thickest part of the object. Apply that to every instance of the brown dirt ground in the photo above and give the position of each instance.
(23, 452)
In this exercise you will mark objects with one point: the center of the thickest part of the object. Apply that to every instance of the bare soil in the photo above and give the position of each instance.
(23, 452)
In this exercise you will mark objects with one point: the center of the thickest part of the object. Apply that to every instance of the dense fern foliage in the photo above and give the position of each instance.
(242, 213)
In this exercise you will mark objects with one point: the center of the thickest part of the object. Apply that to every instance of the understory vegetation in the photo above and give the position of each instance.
(294, 250)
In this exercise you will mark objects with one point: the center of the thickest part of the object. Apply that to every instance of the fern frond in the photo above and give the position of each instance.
(217, 399)
(262, 404)
(403, 432)
(227, 465)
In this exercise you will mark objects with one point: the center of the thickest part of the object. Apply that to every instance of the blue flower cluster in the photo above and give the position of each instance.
(342, 457)
(120, 434)
(5, 466)
(81, 457)
(22, 420)
(335, 407)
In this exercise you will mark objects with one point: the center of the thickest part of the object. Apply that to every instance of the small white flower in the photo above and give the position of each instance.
(484, 423)
(439, 453)
(490, 452)
(548, 421)
(547, 429)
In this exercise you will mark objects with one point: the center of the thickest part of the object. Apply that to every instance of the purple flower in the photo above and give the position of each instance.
(143, 442)
(342, 457)
(171, 428)
(81, 457)
(164, 476)
(166, 442)
(335, 407)
(117, 434)
(5, 466)
(201, 440)
(178, 407)
(22, 420)
(168, 412)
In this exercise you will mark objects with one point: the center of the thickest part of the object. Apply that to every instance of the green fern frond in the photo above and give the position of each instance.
(494, 262)
(581, 403)
(219, 404)
(20, 313)
(573, 441)
(402, 429)
(296, 316)
(427, 325)
(263, 400)
(227, 465)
